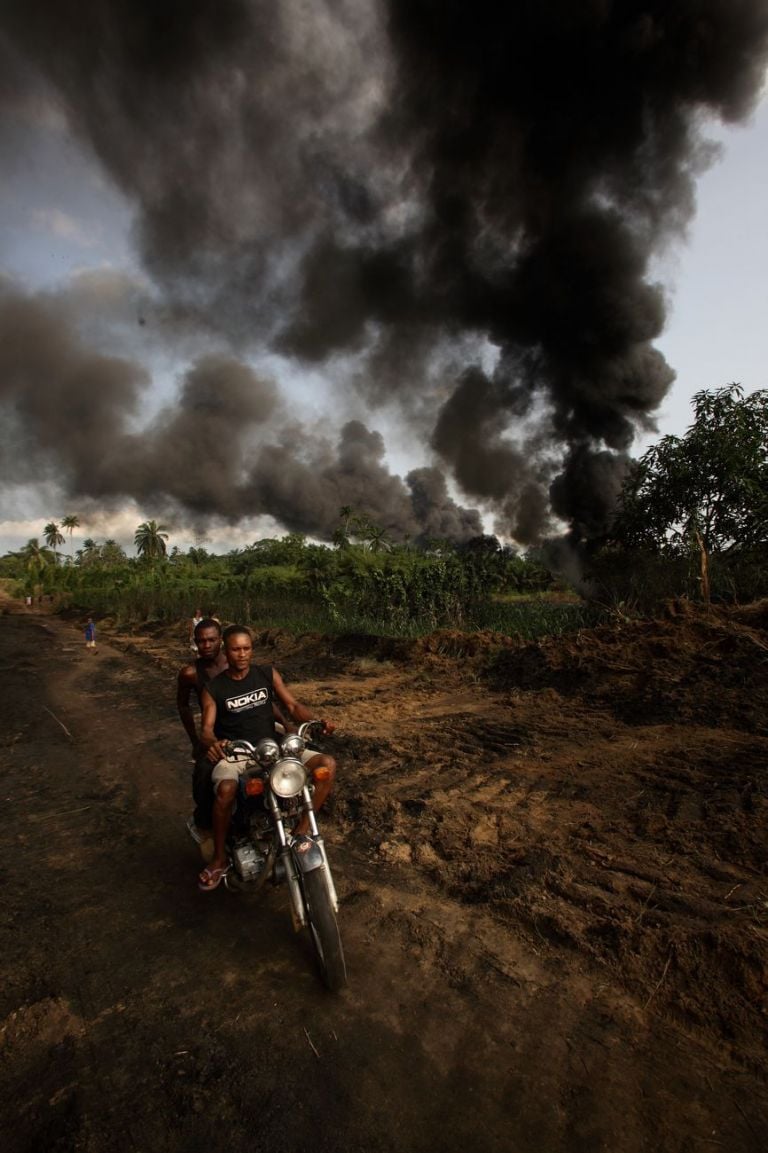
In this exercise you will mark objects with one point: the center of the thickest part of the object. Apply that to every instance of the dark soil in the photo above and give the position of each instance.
(552, 864)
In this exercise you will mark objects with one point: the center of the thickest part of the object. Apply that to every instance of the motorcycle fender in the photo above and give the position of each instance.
(307, 854)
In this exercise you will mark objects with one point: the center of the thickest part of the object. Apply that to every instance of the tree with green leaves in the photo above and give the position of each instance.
(318, 566)
(69, 524)
(150, 538)
(707, 491)
(377, 538)
(340, 536)
(112, 554)
(35, 559)
(52, 536)
(36, 556)
(363, 532)
(89, 554)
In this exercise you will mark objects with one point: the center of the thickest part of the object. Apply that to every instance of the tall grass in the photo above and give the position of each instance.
(536, 617)
(404, 596)
(527, 618)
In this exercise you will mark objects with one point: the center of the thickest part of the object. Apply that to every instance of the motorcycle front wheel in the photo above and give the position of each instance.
(324, 930)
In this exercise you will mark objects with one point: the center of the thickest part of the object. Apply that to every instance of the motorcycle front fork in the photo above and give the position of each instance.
(316, 837)
(298, 912)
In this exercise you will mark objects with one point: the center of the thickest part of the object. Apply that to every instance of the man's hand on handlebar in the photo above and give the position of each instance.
(321, 727)
(217, 752)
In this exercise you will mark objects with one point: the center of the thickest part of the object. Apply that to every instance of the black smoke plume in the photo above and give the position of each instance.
(385, 190)
(224, 447)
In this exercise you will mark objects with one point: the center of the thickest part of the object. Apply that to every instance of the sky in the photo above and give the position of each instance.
(717, 277)
(453, 271)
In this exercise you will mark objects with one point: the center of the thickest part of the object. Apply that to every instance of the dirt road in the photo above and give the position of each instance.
(554, 904)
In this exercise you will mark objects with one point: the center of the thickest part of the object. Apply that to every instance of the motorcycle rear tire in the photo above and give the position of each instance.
(324, 930)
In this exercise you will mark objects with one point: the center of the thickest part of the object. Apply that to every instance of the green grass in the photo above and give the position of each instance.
(531, 618)
(528, 617)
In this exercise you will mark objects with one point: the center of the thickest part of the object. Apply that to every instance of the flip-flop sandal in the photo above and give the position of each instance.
(210, 879)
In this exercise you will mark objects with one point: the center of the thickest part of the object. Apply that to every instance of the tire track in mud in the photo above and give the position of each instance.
(611, 855)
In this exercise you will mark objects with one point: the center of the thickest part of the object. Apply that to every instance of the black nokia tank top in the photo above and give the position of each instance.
(243, 708)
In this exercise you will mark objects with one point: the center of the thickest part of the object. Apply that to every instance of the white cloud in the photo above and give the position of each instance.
(121, 524)
(66, 227)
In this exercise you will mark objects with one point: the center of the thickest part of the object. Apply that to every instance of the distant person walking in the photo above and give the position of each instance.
(90, 634)
(193, 625)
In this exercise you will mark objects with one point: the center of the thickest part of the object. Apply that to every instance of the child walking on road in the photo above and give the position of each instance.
(90, 634)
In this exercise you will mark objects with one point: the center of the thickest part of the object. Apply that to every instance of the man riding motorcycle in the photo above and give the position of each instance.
(238, 704)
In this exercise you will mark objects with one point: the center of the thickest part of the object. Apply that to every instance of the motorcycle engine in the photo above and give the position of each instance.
(247, 860)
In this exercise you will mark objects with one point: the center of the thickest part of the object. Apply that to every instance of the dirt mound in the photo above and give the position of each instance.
(691, 665)
(708, 667)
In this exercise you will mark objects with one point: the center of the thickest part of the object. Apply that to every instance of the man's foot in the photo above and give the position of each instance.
(211, 877)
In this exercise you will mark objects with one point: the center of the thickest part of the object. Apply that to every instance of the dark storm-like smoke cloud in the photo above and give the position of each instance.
(305, 493)
(225, 446)
(400, 179)
(231, 126)
(63, 405)
(553, 150)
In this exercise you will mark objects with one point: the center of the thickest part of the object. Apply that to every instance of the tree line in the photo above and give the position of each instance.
(363, 580)
(692, 520)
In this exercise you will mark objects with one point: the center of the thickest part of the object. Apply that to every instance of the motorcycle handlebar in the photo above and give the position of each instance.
(318, 726)
(240, 747)
(237, 748)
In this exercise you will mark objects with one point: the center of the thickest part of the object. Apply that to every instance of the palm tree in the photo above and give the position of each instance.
(90, 553)
(360, 527)
(377, 538)
(70, 523)
(341, 534)
(111, 553)
(53, 537)
(318, 566)
(36, 560)
(150, 538)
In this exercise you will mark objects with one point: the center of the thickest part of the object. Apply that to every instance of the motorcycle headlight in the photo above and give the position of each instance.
(267, 751)
(288, 778)
(293, 746)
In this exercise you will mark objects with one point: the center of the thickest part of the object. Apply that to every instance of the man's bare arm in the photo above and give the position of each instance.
(208, 738)
(294, 708)
(185, 685)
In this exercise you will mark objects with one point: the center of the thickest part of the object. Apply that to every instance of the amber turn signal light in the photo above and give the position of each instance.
(254, 787)
(322, 773)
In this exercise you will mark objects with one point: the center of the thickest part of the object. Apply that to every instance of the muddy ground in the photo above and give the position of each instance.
(552, 865)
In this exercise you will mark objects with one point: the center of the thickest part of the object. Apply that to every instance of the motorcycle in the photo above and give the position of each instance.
(274, 792)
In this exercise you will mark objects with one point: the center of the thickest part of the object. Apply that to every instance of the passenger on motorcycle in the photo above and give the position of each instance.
(192, 678)
(238, 705)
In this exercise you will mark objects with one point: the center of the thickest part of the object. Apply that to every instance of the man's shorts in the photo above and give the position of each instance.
(225, 770)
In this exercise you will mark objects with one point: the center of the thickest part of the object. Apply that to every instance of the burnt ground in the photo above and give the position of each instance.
(551, 861)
